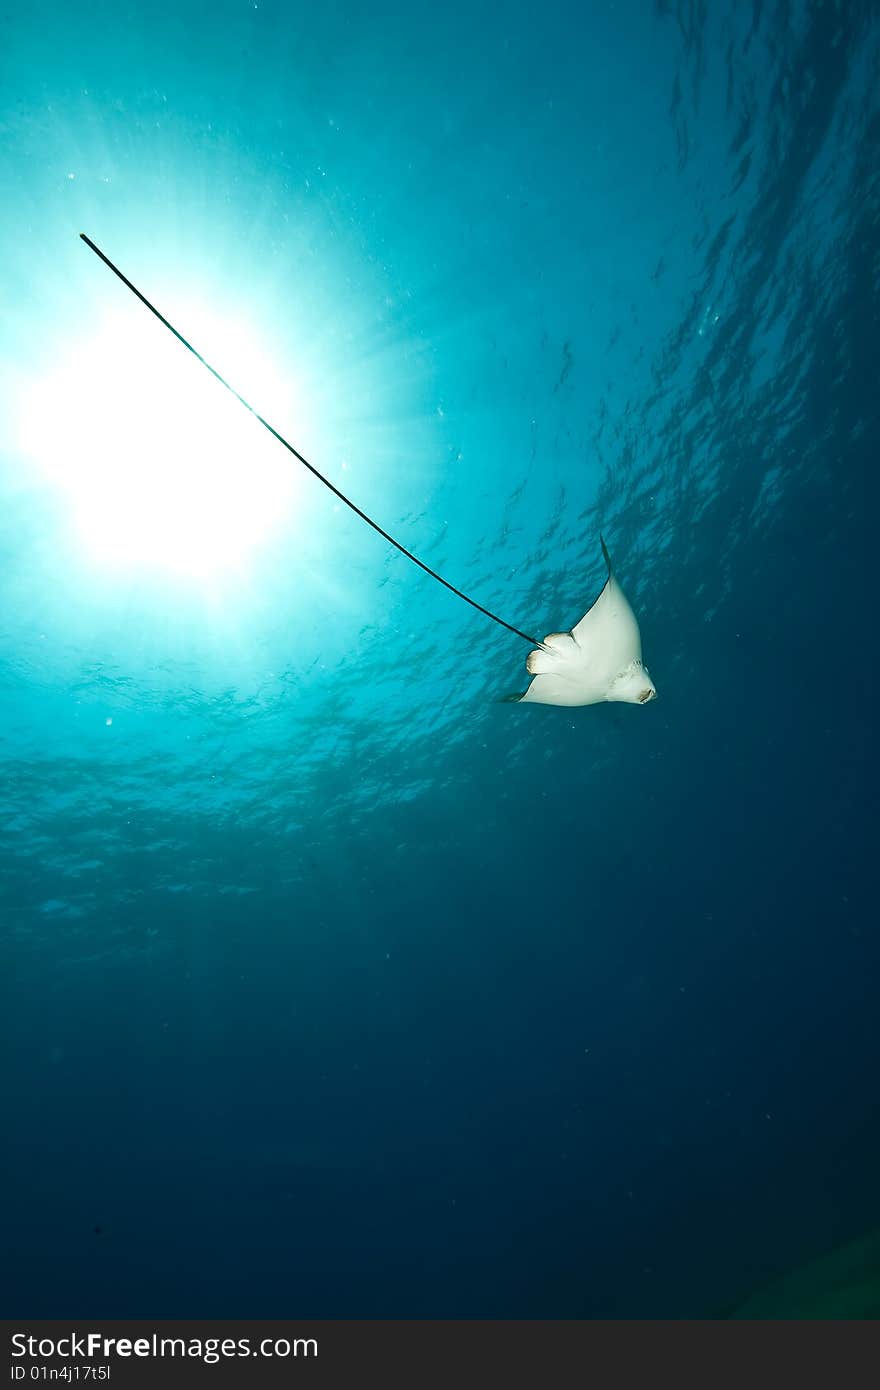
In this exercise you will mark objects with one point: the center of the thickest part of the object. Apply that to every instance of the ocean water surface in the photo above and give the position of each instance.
(331, 986)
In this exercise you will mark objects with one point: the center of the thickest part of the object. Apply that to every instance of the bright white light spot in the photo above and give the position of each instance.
(162, 468)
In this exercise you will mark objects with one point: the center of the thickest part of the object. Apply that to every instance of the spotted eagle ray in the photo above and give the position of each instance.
(600, 658)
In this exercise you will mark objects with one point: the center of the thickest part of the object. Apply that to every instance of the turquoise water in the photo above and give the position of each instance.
(331, 985)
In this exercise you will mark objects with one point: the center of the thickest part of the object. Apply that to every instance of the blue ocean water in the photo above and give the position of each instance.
(330, 985)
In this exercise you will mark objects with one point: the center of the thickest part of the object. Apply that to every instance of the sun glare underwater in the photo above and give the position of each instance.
(160, 467)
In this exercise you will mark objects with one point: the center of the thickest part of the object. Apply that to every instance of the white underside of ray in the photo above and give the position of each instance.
(600, 659)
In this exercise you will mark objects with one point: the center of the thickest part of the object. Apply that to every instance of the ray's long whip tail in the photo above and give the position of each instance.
(299, 457)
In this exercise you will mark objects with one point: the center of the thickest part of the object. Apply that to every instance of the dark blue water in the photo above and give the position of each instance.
(330, 986)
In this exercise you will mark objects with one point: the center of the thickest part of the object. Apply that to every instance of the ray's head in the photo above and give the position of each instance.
(633, 686)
